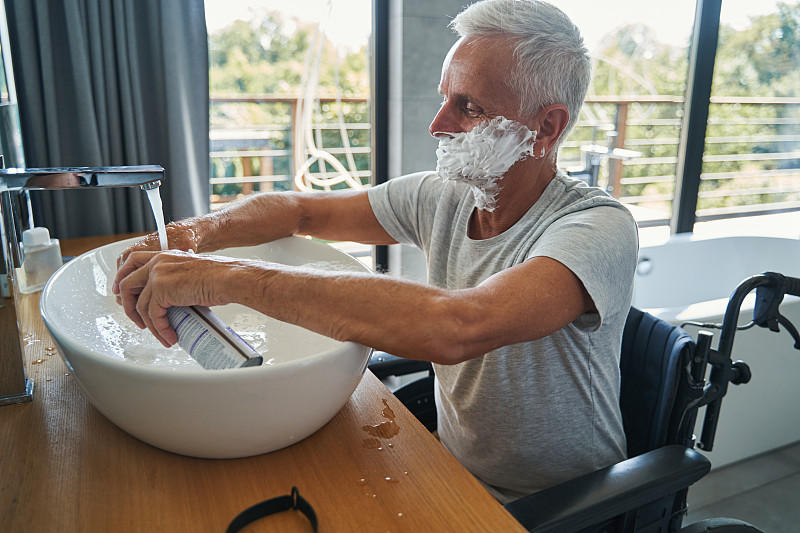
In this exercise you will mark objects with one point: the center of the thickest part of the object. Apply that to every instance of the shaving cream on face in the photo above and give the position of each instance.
(482, 156)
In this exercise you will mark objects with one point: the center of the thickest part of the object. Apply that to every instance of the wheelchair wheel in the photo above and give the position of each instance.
(720, 525)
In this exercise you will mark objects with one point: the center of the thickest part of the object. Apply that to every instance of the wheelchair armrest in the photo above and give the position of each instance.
(383, 365)
(610, 491)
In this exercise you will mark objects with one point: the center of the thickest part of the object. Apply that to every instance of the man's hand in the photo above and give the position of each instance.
(180, 236)
(148, 283)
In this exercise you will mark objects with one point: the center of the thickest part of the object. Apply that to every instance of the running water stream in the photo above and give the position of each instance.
(154, 195)
(221, 347)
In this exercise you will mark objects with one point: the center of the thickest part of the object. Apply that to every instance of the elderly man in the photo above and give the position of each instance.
(530, 271)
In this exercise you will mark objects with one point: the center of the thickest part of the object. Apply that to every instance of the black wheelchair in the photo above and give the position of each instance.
(666, 376)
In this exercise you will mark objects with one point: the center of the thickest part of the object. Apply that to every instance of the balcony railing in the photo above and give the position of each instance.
(252, 141)
(751, 162)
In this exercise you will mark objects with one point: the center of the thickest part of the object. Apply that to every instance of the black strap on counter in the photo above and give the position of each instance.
(272, 506)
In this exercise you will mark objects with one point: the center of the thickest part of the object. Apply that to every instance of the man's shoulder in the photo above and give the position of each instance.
(428, 186)
(428, 176)
(575, 190)
(571, 195)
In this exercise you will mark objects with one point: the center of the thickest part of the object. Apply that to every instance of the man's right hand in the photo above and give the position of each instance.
(181, 235)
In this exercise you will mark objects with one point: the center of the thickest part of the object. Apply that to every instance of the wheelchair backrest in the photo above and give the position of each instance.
(654, 356)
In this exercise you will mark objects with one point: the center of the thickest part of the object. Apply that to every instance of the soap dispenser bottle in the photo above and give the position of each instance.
(42, 257)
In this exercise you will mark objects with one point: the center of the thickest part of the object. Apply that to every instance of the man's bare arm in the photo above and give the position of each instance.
(344, 215)
(340, 216)
(523, 303)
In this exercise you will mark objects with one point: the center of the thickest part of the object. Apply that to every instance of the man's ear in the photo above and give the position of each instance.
(552, 121)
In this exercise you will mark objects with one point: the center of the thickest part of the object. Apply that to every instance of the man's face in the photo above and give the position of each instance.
(473, 86)
(478, 128)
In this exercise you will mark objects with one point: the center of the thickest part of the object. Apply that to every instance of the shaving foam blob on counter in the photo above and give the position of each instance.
(482, 156)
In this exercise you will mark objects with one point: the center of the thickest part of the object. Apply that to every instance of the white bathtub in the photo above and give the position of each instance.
(691, 279)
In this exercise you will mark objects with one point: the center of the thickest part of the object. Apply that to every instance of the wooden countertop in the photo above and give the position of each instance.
(64, 467)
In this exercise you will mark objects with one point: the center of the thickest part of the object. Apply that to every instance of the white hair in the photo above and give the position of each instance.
(552, 65)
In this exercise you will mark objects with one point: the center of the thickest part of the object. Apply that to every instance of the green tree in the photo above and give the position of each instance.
(762, 60)
(270, 55)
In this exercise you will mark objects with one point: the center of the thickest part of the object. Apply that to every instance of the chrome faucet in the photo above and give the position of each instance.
(14, 185)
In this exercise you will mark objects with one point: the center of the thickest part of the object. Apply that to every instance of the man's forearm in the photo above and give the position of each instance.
(253, 220)
(524, 303)
(338, 216)
(403, 317)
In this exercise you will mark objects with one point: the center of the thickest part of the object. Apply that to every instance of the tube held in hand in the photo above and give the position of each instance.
(209, 340)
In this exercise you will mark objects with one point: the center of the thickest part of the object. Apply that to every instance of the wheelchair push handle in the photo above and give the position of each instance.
(769, 296)
(770, 289)
(792, 286)
(782, 284)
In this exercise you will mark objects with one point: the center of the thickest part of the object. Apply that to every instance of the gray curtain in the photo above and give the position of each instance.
(113, 82)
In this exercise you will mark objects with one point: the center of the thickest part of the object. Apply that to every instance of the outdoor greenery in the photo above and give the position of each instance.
(271, 56)
(751, 148)
(761, 62)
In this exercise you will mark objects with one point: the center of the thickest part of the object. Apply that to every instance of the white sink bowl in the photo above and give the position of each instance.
(164, 398)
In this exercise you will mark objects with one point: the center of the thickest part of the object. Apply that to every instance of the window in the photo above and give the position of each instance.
(289, 96)
(751, 162)
(635, 104)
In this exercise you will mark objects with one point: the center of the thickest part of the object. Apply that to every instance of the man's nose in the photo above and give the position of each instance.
(442, 123)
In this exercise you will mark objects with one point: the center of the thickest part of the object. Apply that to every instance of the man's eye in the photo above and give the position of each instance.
(473, 110)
